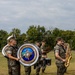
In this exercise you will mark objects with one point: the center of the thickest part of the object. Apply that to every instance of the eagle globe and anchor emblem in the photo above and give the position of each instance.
(28, 54)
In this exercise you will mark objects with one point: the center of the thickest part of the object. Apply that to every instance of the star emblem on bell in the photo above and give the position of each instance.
(27, 54)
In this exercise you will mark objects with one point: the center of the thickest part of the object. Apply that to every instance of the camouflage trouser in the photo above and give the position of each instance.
(14, 70)
(37, 70)
(27, 70)
(37, 67)
(43, 64)
(60, 69)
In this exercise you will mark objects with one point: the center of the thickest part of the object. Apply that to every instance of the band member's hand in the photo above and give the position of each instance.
(63, 60)
(17, 59)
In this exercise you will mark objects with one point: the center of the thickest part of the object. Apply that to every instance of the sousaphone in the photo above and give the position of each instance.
(28, 54)
(4, 50)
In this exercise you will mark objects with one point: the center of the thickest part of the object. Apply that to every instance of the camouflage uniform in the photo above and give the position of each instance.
(59, 63)
(27, 70)
(13, 65)
(43, 58)
(38, 64)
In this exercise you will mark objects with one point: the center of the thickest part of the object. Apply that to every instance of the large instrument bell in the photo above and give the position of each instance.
(28, 54)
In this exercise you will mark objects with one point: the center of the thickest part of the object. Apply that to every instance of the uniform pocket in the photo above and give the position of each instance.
(12, 63)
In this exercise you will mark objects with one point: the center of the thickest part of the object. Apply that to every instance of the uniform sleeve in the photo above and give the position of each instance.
(56, 49)
(9, 50)
(43, 48)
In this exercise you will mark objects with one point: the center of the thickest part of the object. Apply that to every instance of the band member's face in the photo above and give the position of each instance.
(60, 42)
(13, 42)
(38, 44)
(43, 43)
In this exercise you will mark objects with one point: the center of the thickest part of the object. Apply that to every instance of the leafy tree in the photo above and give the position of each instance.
(35, 33)
(39, 33)
(22, 38)
(32, 33)
(18, 35)
(3, 37)
(56, 32)
(15, 31)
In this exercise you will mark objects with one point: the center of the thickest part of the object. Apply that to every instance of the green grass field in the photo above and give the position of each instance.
(50, 70)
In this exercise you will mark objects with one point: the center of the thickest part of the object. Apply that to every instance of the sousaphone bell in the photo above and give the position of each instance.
(28, 54)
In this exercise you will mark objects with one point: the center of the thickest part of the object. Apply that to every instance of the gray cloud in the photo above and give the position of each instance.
(49, 13)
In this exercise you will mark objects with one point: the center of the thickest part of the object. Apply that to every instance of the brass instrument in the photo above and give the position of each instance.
(68, 55)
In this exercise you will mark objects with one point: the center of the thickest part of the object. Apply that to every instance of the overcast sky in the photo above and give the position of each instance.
(48, 13)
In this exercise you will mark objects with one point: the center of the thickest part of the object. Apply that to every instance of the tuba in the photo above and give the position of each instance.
(28, 54)
(4, 50)
(68, 55)
(6, 46)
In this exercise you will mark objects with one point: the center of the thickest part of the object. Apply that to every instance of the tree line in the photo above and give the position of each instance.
(38, 33)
